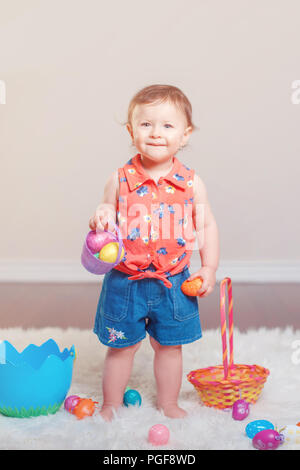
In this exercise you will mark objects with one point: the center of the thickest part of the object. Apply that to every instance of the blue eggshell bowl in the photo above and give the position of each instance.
(36, 381)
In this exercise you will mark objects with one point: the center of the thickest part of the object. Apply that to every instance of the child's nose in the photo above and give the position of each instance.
(155, 132)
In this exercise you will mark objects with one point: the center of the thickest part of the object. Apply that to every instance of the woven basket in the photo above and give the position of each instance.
(220, 386)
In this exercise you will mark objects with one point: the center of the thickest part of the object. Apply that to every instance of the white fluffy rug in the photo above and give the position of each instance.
(204, 428)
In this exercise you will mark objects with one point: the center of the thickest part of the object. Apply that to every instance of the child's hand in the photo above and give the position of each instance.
(208, 276)
(104, 218)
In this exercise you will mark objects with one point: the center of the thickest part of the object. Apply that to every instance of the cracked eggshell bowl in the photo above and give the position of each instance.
(35, 381)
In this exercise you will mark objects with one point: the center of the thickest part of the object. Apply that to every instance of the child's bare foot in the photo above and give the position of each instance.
(107, 413)
(173, 411)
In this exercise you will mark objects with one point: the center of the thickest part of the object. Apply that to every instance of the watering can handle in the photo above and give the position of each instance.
(226, 281)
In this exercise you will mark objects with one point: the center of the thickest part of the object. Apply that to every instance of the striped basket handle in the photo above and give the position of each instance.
(226, 281)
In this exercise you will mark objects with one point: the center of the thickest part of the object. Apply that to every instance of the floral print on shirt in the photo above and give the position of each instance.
(167, 209)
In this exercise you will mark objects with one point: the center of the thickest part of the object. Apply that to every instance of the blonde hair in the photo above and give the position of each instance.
(160, 94)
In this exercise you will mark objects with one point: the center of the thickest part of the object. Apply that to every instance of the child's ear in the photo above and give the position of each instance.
(129, 128)
(188, 131)
(186, 135)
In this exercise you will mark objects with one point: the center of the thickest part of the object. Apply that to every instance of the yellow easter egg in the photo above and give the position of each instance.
(109, 252)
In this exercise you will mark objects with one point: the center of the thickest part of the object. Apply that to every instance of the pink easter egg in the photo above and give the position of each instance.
(240, 410)
(268, 439)
(158, 435)
(71, 402)
(96, 240)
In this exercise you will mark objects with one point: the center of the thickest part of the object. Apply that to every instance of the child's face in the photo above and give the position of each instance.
(158, 130)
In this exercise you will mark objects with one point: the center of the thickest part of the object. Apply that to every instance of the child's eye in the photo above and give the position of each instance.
(146, 124)
(168, 126)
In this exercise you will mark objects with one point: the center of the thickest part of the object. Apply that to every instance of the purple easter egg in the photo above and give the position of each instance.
(71, 402)
(268, 439)
(240, 410)
(96, 240)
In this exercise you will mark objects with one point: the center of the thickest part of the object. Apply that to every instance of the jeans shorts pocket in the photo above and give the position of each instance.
(185, 307)
(116, 293)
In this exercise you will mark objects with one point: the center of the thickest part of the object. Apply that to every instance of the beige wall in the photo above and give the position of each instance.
(70, 69)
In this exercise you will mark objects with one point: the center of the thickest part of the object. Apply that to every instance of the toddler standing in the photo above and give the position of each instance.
(158, 203)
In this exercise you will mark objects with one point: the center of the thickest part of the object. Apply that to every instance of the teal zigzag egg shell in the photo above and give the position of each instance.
(35, 381)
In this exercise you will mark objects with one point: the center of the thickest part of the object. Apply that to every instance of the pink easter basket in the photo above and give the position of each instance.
(95, 265)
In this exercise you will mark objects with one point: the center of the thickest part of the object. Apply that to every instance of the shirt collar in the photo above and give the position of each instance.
(136, 175)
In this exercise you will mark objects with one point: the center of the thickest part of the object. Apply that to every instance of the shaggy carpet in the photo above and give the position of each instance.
(203, 428)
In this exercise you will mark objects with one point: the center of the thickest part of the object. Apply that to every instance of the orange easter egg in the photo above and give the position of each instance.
(191, 287)
(85, 407)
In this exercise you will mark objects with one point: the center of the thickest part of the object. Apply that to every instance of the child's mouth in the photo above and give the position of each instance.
(157, 145)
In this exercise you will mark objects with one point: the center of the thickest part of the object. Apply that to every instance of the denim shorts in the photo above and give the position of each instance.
(127, 309)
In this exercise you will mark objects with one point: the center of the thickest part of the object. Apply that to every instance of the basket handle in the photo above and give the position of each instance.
(226, 281)
(119, 238)
(118, 233)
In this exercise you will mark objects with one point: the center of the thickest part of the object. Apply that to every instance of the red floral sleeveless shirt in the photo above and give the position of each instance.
(155, 220)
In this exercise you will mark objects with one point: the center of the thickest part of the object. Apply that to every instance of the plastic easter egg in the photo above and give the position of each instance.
(256, 426)
(132, 397)
(268, 439)
(84, 408)
(240, 410)
(109, 252)
(96, 240)
(159, 435)
(71, 402)
(191, 287)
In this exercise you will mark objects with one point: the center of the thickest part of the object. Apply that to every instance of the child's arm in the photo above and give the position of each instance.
(207, 236)
(105, 215)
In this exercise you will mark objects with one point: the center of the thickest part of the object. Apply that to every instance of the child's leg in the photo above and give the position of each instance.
(168, 375)
(117, 369)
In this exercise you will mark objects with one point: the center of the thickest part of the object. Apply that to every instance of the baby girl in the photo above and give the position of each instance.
(161, 207)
